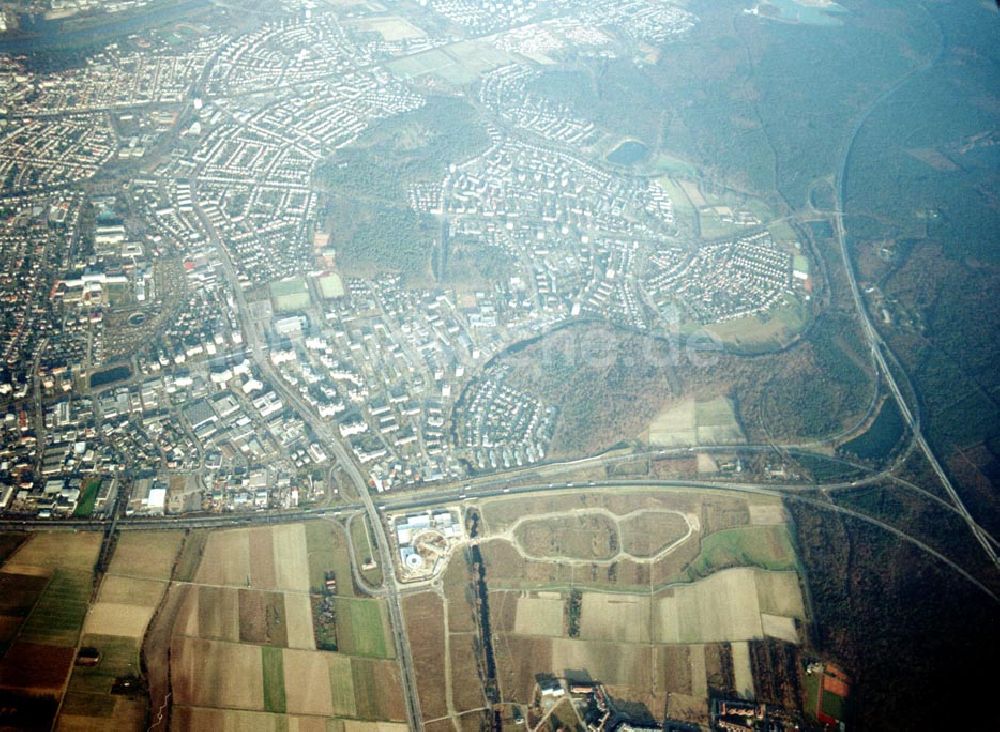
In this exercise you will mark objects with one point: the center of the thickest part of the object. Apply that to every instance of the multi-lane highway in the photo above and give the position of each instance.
(320, 428)
(807, 493)
(878, 347)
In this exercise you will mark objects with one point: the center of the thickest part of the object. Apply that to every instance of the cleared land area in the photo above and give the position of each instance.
(661, 630)
(778, 593)
(457, 63)
(50, 580)
(290, 557)
(226, 559)
(390, 28)
(208, 673)
(518, 659)
(262, 618)
(781, 627)
(762, 514)
(742, 672)
(648, 533)
(724, 606)
(89, 703)
(466, 688)
(305, 682)
(149, 554)
(134, 584)
(234, 720)
(212, 612)
(614, 617)
(691, 423)
(423, 614)
(579, 536)
(117, 618)
(614, 663)
(299, 622)
(541, 615)
(378, 690)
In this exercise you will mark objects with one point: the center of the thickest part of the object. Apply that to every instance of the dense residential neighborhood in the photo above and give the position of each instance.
(188, 319)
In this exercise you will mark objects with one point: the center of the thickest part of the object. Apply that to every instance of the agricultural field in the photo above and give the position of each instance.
(648, 533)
(696, 578)
(444, 642)
(577, 536)
(692, 423)
(252, 607)
(128, 596)
(48, 581)
(391, 28)
(540, 613)
(767, 547)
(458, 63)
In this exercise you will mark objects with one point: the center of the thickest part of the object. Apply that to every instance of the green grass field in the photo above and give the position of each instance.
(88, 497)
(342, 685)
(812, 682)
(767, 547)
(327, 551)
(778, 326)
(119, 657)
(274, 679)
(833, 705)
(361, 628)
(366, 689)
(663, 163)
(782, 231)
(59, 614)
(363, 548)
(93, 706)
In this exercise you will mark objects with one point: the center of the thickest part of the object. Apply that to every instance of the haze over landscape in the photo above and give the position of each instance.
(373, 365)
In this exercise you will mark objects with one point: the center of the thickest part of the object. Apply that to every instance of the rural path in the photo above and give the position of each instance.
(509, 534)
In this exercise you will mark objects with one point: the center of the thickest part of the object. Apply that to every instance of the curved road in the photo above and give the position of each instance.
(878, 347)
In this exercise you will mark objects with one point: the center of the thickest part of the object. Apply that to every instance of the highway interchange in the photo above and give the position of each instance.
(541, 479)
